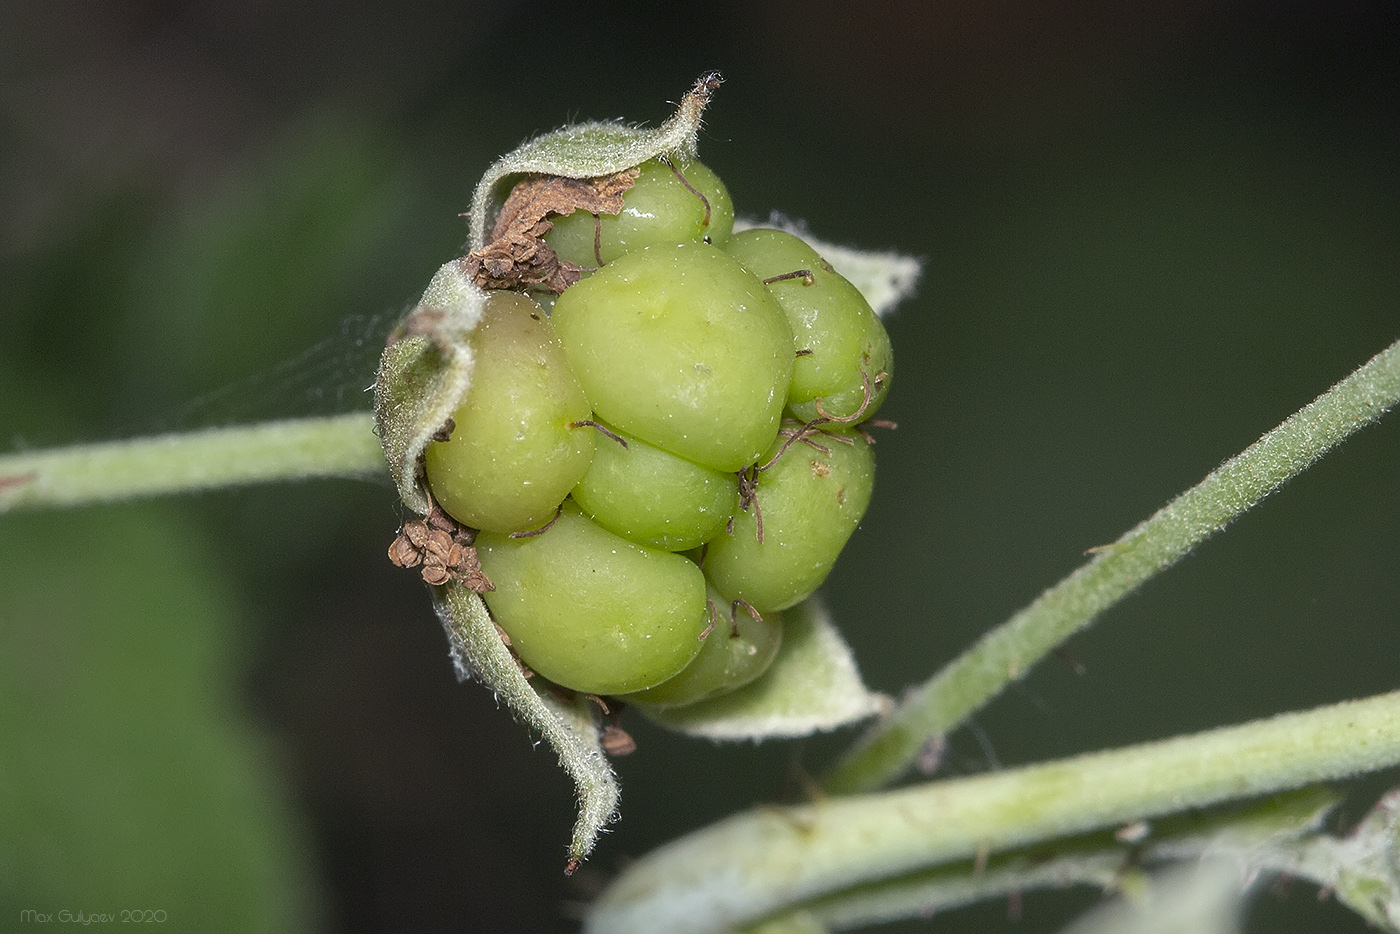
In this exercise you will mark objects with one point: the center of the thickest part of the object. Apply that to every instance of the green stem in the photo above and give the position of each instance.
(758, 862)
(1261, 836)
(336, 446)
(1008, 652)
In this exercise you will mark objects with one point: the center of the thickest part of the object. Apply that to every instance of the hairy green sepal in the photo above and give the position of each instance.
(570, 726)
(588, 150)
(424, 375)
(812, 686)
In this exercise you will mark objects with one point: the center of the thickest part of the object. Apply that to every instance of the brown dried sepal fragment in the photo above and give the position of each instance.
(403, 554)
(443, 549)
(616, 741)
(517, 256)
(444, 433)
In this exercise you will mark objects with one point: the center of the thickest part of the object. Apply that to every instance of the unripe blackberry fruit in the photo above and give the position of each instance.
(654, 498)
(842, 343)
(736, 651)
(809, 502)
(590, 610)
(682, 347)
(516, 448)
(671, 202)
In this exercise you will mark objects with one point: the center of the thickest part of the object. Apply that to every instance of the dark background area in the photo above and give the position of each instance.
(1151, 232)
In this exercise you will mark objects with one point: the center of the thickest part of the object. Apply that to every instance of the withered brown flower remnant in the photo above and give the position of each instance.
(443, 549)
(617, 742)
(517, 256)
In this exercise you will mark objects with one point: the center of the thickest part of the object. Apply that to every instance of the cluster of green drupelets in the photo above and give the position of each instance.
(673, 454)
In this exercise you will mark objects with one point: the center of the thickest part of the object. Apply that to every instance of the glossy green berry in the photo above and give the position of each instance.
(654, 498)
(659, 209)
(590, 610)
(810, 502)
(737, 650)
(515, 450)
(682, 347)
(842, 344)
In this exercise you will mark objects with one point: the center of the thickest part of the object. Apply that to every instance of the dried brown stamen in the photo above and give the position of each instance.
(874, 423)
(804, 274)
(531, 533)
(792, 433)
(714, 618)
(868, 396)
(703, 200)
(792, 436)
(734, 615)
(611, 434)
(748, 496)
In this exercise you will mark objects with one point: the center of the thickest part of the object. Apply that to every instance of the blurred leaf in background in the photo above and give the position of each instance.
(130, 779)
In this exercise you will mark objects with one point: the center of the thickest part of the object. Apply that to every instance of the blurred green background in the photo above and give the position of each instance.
(1152, 231)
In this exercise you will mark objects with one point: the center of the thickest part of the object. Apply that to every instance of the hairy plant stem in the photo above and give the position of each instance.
(1008, 652)
(1263, 836)
(758, 862)
(335, 446)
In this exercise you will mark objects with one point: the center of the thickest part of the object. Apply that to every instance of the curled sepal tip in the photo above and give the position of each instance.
(424, 375)
(569, 725)
(590, 150)
(812, 686)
